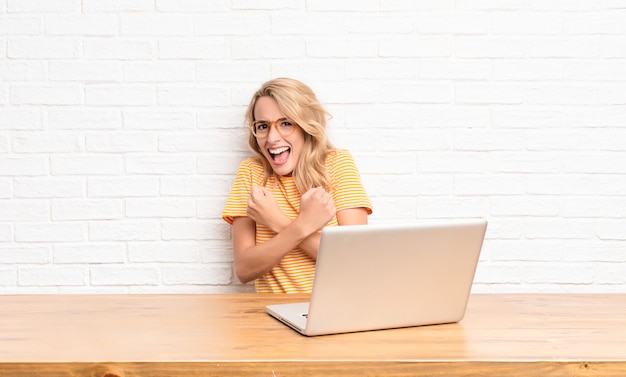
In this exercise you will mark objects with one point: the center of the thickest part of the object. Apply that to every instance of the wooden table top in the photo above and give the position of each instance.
(128, 335)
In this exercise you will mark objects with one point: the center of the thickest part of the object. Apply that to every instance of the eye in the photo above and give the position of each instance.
(285, 123)
(260, 126)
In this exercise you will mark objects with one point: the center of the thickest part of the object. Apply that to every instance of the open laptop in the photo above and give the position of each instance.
(372, 277)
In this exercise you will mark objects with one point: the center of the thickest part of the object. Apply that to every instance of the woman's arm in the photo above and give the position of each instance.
(350, 216)
(252, 260)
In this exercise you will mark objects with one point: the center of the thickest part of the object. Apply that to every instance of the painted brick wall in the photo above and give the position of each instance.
(121, 130)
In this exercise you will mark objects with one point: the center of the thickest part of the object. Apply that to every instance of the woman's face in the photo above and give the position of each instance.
(282, 152)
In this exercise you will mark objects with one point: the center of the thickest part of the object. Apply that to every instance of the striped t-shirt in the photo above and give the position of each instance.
(295, 272)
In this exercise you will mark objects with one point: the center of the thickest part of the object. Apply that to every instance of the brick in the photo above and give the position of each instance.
(451, 207)
(558, 47)
(343, 6)
(490, 47)
(457, 69)
(125, 275)
(417, 93)
(527, 23)
(268, 48)
(52, 276)
(454, 22)
(611, 229)
(525, 69)
(120, 95)
(20, 25)
(524, 162)
(519, 205)
(127, 230)
(49, 187)
(122, 187)
(165, 252)
(595, 23)
(118, 49)
(192, 96)
(17, 119)
(153, 119)
(16, 254)
(491, 4)
(610, 273)
(91, 6)
(179, 71)
(43, 6)
(559, 273)
(47, 142)
(613, 47)
(101, 253)
(23, 166)
(43, 48)
(225, 24)
(22, 70)
(489, 185)
(201, 48)
(379, 69)
(88, 25)
(86, 209)
(160, 208)
(416, 47)
(8, 276)
(499, 273)
(201, 186)
(190, 229)
(416, 5)
(161, 164)
(353, 47)
(50, 232)
(86, 165)
(451, 162)
(593, 162)
(84, 118)
(66, 71)
(50, 94)
(422, 185)
(564, 5)
(6, 188)
(155, 24)
(219, 274)
(120, 142)
(192, 5)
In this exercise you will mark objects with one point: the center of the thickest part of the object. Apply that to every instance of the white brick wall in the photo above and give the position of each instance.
(121, 130)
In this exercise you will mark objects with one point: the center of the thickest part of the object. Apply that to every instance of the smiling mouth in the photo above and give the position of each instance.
(280, 155)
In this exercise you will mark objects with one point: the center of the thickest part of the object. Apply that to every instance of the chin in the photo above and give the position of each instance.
(283, 171)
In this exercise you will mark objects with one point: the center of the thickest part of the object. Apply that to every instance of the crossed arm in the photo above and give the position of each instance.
(316, 210)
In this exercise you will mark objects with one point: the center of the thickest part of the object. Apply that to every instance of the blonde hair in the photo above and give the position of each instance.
(298, 103)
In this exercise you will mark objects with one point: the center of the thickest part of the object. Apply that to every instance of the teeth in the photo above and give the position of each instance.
(279, 150)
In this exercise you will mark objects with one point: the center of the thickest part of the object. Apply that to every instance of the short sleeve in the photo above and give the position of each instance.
(348, 190)
(237, 201)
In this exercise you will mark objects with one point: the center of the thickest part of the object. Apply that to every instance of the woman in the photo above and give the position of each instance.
(296, 184)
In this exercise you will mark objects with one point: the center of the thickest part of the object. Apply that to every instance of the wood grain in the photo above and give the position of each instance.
(220, 335)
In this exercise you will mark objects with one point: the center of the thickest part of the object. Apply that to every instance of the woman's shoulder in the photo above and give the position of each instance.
(251, 163)
(251, 167)
(336, 156)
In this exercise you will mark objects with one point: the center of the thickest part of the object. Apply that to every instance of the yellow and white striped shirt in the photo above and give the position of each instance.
(295, 272)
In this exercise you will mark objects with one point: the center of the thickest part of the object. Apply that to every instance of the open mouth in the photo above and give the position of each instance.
(279, 155)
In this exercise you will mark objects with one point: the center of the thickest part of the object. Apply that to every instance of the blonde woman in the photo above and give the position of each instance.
(295, 185)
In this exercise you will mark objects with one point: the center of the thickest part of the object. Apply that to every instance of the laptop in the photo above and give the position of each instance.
(374, 277)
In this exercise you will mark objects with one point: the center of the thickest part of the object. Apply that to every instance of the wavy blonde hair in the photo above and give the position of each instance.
(297, 102)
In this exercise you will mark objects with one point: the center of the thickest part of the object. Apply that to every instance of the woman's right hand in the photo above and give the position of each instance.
(317, 208)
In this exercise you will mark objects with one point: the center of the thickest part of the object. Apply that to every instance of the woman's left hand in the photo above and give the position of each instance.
(263, 208)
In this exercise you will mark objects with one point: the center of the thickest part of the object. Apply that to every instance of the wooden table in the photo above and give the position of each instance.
(220, 335)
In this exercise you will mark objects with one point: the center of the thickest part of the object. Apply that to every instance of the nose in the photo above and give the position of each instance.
(273, 133)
